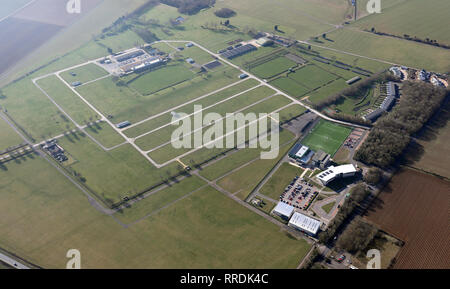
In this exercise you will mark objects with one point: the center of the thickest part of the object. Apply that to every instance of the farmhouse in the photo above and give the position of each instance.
(283, 210)
(333, 173)
(304, 223)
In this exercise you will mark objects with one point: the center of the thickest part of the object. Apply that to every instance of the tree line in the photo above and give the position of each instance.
(189, 7)
(391, 134)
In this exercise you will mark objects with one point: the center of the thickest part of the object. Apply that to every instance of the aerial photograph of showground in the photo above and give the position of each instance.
(224, 134)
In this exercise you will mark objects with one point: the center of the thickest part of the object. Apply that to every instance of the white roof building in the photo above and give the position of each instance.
(283, 210)
(302, 151)
(336, 172)
(305, 223)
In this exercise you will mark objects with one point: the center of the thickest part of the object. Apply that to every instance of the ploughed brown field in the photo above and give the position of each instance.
(415, 207)
(29, 28)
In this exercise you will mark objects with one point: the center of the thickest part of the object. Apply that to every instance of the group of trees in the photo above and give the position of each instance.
(356, 236)
(373, 176)
(189, 7)
(225, 13)
(357, 194)
(427, 40)
(391, 133)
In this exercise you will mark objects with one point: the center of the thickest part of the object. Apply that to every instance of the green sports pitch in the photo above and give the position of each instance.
(327, 136)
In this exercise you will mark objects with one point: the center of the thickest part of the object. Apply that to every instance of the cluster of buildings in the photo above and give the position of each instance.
(297, 220)
(386, 105)
(305, 156)
(55, 150)
(238, 50)
(422, 75)
(137, 61)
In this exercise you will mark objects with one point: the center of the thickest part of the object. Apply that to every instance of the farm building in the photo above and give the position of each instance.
(353, 80)
(333, 173)
(304, 223)
(123, 124)
(243, 76)
(211, 65)
(235, 52)
(283, 210)
(76, 83)
(127, 56)
(264, 42)
(321, 159)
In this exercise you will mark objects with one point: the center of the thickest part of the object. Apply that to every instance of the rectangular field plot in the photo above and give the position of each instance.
(213, 98)
(123, 104)
(158, 199)
(290, 86)
(68, 100)
(279, 181)
(312, 76)
(327, 90)
(326, 136)
(83, 74)
(164, 135)
(197, 54)
(161, 78)
(112, 175)
(291, 112)
(273, 67)
(105, 134)
(8, 137)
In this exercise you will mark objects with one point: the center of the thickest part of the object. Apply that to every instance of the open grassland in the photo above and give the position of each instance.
(280, 180)
(105, 134)
(290, 112)
(124, 104)
(246, 178)
(83, 74)
(29, 107)
(161, 78)
(290, 86)
(212, 99)
(68, 100)
(236, 159)
(326, 136)
(164, 135)
(390, 49)
(273, 67)
(111, 175)
(8, 137)
(205, 230)
(414, 208)
(424, 19)
(197, 54)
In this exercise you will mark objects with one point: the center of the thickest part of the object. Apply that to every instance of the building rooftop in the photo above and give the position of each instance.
(305, 223)
(333, 172)
(283, 209)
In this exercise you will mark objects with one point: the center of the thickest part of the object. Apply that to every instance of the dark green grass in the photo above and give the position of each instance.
(327, 136)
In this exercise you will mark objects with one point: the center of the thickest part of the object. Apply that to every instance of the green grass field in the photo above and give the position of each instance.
(189, 108)
(8, 137)
(273, 67)
(68, 100)
(398, 20)
(161, 78)
(327, 91)
(280, 180)
(390, 49)
(327, 208)
(84, 73)
(327, 136)
(312, 76)
(204, 230)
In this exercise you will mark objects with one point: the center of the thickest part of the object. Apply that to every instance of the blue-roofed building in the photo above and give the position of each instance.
(283, 210)
(123, 124)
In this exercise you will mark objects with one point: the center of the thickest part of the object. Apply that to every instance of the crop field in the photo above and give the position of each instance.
(414, 208)
(390, 49)
(398, 20)
(326, 136)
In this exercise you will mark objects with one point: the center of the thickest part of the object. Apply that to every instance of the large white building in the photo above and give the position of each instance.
(304, 223)
(336, 172)
(283, 210)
